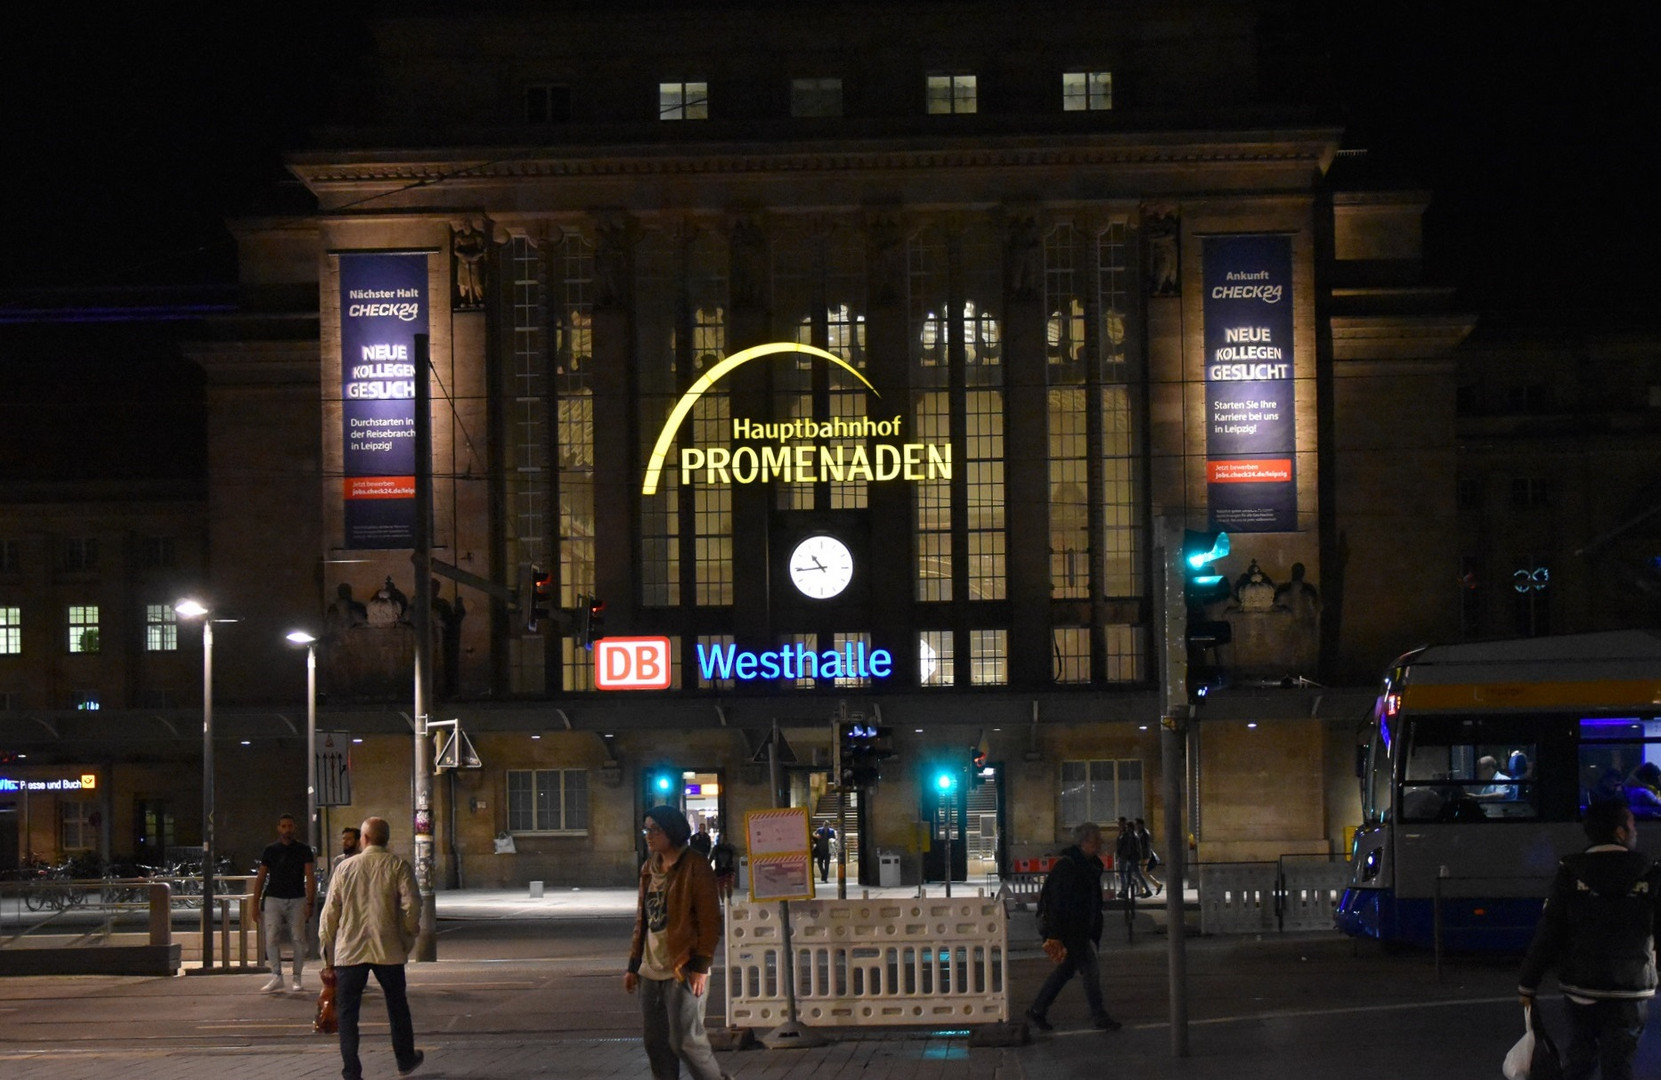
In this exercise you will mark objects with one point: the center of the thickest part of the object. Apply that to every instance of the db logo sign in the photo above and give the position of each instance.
(631, 663)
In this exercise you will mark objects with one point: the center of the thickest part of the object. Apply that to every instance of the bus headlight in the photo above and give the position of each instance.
(1371, 864)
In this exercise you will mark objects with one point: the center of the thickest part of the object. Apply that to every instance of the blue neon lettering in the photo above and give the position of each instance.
(794, 662)
(716, 663)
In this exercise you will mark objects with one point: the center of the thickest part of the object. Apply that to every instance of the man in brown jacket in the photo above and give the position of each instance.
(676, 927)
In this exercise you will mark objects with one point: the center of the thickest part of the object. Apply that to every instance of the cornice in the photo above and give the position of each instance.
(323, 171)
(1398, 337)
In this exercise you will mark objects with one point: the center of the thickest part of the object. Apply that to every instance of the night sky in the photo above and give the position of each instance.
(132, 132)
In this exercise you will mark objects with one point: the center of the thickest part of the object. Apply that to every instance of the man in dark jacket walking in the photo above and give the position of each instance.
(1070, 921)
(1598, 931)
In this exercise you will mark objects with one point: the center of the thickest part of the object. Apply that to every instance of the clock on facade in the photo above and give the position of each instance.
(821, 566)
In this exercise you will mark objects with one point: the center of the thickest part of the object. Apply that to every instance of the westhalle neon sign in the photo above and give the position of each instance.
(780, 453)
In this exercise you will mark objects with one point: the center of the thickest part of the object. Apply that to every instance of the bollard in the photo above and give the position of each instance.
(161, 913)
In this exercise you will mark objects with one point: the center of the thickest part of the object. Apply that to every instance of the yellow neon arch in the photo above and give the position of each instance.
(654, 466)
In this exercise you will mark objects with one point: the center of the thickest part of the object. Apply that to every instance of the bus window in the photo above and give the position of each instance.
(1453, 774)
(1620, 758)
(1376, 790)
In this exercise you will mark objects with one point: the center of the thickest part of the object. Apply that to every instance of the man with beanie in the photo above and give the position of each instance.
(1598, 930)
(676, 927)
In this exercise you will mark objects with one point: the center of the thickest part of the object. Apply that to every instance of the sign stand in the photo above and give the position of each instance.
(792, 1034)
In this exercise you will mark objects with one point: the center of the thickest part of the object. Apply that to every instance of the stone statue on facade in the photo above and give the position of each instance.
(1253, 590)
(1164, 255)
(469, 245)
(387, 606)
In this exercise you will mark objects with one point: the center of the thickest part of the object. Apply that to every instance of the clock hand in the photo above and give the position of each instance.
(804, 569)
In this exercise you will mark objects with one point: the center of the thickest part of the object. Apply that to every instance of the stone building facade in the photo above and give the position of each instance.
(988, 237)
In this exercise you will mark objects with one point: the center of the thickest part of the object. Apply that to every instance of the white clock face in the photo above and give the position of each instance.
(821, 566)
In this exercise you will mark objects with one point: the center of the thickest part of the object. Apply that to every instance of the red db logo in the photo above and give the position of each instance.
(631, 663)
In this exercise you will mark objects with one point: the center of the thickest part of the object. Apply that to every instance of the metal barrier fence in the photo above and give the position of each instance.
(871, 962)
(91, 912)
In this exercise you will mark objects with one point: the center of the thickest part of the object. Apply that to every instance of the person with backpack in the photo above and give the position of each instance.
(1070, 922)
(1598, 930)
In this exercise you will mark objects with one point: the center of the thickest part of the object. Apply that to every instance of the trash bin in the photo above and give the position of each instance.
(888, 870)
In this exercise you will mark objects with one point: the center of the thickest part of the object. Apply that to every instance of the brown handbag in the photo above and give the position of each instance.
(326, 1023)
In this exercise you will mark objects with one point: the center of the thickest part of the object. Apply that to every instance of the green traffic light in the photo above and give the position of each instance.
(945, 781)
(1199, 559)
(663, 784)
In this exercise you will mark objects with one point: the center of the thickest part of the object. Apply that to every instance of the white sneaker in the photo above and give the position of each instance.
(273, 986)
(295, 986)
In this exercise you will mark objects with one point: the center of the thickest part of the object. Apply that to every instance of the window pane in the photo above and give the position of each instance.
(1075, 796)
(83, 628)
(1130, 790)
(521, 815)
(547, 799)
(161, 628)
(576, 800)
(11, 630)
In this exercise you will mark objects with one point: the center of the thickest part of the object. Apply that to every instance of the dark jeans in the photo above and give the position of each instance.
(1606, 1033)
(349, 999)
(1081, 959)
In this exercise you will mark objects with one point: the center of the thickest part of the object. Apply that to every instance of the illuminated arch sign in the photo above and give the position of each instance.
(799, 451)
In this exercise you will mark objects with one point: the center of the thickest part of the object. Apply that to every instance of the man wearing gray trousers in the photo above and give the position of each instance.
(676, 927)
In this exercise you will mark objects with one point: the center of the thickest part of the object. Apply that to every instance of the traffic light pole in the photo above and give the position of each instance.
(1173, 732)
(426, 935)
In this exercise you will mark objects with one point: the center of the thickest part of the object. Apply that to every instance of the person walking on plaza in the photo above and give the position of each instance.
(351, 841)
(1598, 931)
(1150, 857)
(1070, 922)
(823, 837)
(369, 925)
(285, 896)
(676, 927)
(1127, 860)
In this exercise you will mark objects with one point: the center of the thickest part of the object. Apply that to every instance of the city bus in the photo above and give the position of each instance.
(1479, 763)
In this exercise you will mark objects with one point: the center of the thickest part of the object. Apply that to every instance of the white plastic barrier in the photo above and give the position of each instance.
(1312, 893)
(1237, 898)
(872, 962)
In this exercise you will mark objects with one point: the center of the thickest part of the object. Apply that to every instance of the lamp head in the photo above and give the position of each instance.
(300, 637)
(189, 608)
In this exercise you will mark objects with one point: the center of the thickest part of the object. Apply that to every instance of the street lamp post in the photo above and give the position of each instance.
(193, 609)
(300, 637)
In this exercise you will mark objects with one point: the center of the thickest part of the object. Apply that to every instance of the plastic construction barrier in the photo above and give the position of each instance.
(872, 962)
(1310, 892)
(1237, 898)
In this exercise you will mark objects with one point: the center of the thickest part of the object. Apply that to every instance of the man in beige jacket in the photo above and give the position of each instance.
(369, 925)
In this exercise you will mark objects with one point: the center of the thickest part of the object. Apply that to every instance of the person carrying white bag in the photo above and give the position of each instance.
(1598, 932)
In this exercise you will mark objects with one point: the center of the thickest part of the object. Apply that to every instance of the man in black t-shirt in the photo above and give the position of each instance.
(285, 895)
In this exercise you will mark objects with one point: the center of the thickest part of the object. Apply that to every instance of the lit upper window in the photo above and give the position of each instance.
(1086, 90)
(83, 628)
(951, 94)
(11, 630)
(161, 628)
(683, 101)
